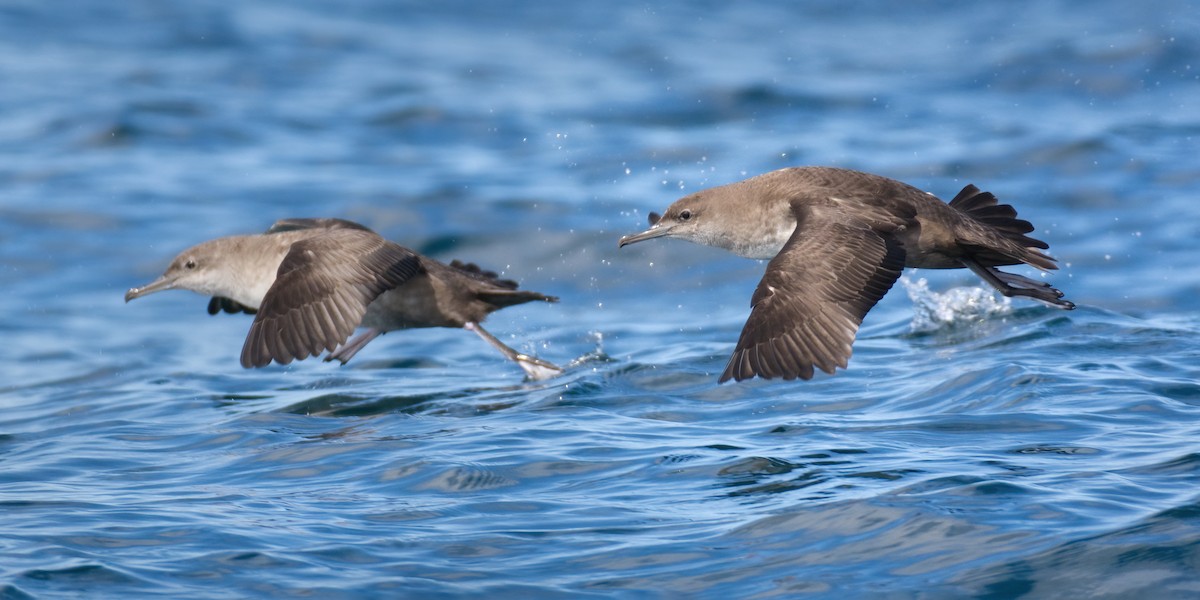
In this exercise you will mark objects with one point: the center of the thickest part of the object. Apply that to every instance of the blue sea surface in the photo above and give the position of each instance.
(975, 447)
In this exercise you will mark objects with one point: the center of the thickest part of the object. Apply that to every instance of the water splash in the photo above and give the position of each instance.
(595, 356)
(933, 310)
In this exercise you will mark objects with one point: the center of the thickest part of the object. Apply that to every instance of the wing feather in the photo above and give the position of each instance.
(322, 291)
(815, 293)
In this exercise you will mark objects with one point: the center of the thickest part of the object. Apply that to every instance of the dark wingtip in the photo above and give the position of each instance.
(654, 218)
(251, 361)
(742, 367)
(247, 362)
(1064, 304)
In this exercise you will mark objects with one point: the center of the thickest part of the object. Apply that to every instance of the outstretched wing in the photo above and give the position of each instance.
(321, 293)
(814, 295)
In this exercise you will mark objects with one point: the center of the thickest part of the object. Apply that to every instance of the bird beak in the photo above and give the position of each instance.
(656, 230)
(158, 285)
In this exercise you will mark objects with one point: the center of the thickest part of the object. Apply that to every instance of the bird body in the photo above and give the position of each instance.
(443, 295)
(837, 241)
(311, 282)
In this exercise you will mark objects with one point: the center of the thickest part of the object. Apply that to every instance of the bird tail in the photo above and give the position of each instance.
(503, 292)
(477, 272)
(1002, 220)
(503, 298)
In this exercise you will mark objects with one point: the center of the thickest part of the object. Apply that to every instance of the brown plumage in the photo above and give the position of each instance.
(837, 241)
(310, 283)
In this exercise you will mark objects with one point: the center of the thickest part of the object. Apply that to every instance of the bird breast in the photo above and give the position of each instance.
(774, 235)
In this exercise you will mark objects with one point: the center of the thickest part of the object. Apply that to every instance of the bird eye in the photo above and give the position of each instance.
(191, 264)
(685, 214)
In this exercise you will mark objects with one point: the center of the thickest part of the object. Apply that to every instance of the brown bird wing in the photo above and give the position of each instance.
(815, 293)
(321, 293)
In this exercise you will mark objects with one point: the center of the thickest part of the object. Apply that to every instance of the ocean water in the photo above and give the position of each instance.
(975, 447)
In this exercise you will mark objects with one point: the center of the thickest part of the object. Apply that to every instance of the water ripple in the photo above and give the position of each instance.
(975, 446)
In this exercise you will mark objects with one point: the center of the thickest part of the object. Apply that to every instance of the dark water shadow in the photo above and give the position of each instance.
(454, 402)
(1154, 558)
